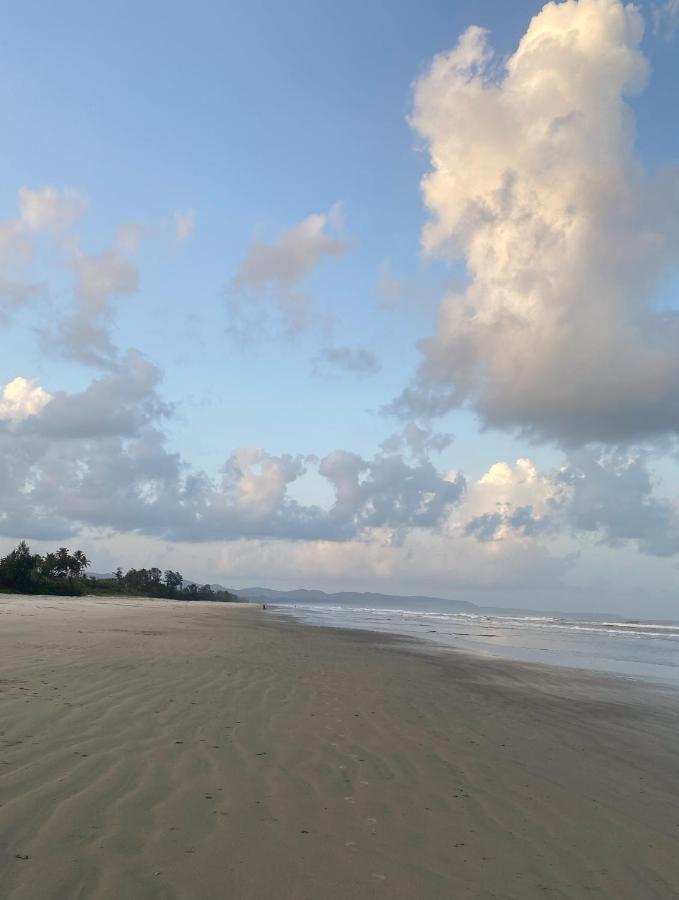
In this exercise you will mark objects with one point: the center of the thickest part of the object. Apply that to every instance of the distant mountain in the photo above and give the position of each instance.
(399, 601)
(356, 598)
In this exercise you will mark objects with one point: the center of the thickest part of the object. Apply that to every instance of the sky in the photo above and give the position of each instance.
(362, 296)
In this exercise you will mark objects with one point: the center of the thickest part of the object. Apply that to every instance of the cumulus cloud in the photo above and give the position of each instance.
(21, 399)
(535, 182)
(117, 404)
(608, 496)
(387, 492)
(273, 272)
(98, 458)
(184, 224)
(613, 496)
(510, 500)
(355, 360)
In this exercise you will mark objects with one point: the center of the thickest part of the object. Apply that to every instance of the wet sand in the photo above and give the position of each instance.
(169, 750)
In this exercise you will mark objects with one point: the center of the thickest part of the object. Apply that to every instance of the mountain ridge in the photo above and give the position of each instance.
(415, 602)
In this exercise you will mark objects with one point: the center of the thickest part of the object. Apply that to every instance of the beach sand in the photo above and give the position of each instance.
(151, 749)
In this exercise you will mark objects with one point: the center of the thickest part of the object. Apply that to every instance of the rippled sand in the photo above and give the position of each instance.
(166, 750)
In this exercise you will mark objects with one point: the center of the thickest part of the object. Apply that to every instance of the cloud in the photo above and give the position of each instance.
(665, 18)
(184, 224)
(16, 257)
(355, 360)
(117, 404)
(608, 496)
(21, 399)
(511, 501)
(50, 209)
(85, 334)
(613, 496)
(272, 272)
(534, 181)
(99, 459)
(420, 442)
(387, 492)
(45, 209)
(423, 563)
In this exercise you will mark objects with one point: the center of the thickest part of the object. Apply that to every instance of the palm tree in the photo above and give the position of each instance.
(63, 562)
(80, 563)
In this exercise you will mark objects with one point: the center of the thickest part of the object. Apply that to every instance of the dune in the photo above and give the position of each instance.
(153, 749)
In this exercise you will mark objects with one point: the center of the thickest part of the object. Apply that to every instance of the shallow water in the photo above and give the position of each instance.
(640, 649)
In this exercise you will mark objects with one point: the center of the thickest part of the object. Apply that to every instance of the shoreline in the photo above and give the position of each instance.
(643, 670)
(202, 750)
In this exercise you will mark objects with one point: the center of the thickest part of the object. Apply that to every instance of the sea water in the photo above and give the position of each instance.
(645, 650)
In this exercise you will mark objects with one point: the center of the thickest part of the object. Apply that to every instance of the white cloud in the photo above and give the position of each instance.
(21, 399)
(511, 501)
(99, 459)
(610, 497)
(50, 209)
(184, 224)
(256, 482)
(534, 181)
(273, 271)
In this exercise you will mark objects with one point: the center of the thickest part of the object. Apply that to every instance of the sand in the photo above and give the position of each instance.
(151, 749)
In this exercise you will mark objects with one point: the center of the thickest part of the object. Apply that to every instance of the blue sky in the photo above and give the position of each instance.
(246, 119)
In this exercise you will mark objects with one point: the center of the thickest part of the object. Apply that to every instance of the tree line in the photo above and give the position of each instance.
(63, 572)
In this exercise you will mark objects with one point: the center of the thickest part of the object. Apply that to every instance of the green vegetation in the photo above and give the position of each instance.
(63, 572)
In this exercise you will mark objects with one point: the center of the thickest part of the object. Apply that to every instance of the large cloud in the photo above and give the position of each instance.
(116, 404)
(610, 497)
(613, 496)
(534, 181)
(98, 458)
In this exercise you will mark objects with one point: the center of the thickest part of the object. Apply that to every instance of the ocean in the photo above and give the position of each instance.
(645, 650)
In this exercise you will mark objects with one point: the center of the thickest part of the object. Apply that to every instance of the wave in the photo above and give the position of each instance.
(640, 649)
